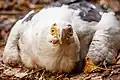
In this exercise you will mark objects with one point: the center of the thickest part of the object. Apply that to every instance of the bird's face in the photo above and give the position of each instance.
(60, 35)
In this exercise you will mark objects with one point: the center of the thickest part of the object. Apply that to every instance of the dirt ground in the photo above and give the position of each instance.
(10, 12)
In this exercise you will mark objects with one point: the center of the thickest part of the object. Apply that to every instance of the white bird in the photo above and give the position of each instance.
(56, 38)
(47, 40)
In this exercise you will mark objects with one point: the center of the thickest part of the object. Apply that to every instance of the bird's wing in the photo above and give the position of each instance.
(105, 43)
(11, 50)
(89, 12)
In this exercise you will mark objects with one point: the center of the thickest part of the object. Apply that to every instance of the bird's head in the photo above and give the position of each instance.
(61, 34)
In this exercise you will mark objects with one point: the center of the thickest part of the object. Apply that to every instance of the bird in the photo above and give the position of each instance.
(47, 39)
(60, 41)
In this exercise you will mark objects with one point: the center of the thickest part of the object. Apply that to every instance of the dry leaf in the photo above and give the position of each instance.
(10, 72)
(20, 75)
(89, 66)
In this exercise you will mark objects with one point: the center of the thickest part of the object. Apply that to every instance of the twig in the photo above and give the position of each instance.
(60, 76)
(106, 69)
(43, 72)
(13, 12)
(105, 73)
(90, 76)
(117, 71)
(116, 66)
(41, 77)
(32, 72)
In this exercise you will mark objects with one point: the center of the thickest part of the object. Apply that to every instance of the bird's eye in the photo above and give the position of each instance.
(53, 30)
